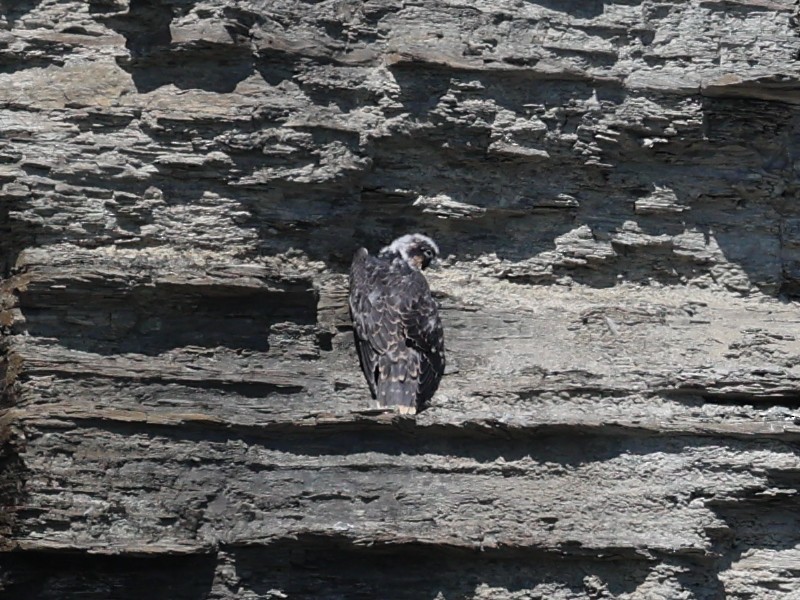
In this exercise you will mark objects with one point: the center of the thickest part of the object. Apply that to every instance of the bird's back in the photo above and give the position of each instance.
(397, 329)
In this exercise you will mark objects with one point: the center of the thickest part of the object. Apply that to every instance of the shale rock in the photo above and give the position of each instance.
(614, 189)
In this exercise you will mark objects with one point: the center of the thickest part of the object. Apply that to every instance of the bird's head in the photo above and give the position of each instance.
(416, 249)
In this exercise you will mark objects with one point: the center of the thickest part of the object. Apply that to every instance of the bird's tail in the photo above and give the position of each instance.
(396, 390)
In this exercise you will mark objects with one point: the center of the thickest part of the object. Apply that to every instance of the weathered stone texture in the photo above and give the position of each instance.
(614, 188)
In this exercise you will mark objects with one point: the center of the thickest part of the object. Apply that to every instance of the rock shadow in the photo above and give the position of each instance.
(327, 568)
(565, 445)
(45, 575)
(755, 522)
(14, 10)
(155, 59)
(153, 319)
(15, 235)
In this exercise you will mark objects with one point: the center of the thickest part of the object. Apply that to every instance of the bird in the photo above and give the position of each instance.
(398, 331)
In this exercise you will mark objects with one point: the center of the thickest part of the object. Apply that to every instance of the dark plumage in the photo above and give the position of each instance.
(396, 322)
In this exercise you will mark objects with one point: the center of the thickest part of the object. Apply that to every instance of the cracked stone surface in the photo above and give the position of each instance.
(614, 187)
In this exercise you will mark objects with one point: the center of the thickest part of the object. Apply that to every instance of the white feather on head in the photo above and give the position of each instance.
(402, 244)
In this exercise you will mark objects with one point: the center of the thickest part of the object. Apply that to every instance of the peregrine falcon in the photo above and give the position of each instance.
(396, 322)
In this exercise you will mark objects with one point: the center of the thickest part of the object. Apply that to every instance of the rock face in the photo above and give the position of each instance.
(614, 188)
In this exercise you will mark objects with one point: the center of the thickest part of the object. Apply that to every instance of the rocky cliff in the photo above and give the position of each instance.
(614, 188)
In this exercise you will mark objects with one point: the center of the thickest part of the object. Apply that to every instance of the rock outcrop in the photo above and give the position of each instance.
(614, 188)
